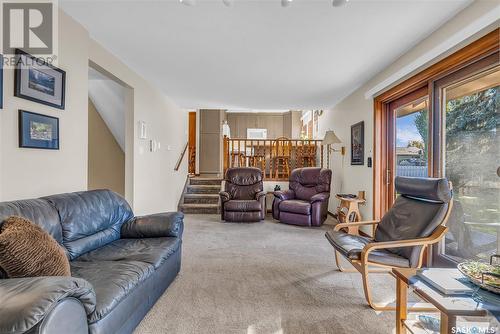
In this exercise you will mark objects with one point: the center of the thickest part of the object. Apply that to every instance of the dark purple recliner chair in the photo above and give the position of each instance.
(306, 203)
(243, 198)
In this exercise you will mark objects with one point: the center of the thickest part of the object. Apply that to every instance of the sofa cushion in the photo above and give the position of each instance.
(242, 205)
(296, 206)
(90, 219)
(351, 247)
(112, 281)
(38, 211)
(150, 250)
(26, 250)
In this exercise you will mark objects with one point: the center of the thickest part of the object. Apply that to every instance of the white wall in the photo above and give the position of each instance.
(156, 186)
(152, 185)
(26, 173)
(473, 22)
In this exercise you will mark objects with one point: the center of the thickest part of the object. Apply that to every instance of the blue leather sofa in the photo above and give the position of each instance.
(120, 265)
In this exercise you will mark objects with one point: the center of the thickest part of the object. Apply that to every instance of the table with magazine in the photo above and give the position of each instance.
(461, 307)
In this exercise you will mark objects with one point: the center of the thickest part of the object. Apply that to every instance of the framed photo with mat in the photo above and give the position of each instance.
(38, 131)
(37, 81)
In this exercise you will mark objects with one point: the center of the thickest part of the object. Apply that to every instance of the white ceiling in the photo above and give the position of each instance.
(108, 98)
(257, 54)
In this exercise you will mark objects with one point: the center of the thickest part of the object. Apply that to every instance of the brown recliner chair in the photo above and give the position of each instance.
(306, 203)
(243, 198)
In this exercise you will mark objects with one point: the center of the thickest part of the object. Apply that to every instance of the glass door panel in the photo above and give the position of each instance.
(412, 138)
(471, 160)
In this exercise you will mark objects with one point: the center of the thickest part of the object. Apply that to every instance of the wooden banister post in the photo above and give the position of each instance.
(225, 153)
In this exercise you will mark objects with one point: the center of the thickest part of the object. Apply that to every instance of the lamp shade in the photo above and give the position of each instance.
(331, 138)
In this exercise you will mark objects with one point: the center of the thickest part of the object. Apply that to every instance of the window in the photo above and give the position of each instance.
(471, 159)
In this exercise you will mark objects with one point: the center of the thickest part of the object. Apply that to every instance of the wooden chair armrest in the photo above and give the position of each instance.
(363, 223)
(436, 236)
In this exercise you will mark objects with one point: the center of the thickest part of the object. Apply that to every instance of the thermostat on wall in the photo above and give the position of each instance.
(142, 130)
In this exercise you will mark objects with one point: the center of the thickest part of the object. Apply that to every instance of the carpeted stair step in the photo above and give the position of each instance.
(201, 199)
(203, 189)
(200, 208)
(206, 181)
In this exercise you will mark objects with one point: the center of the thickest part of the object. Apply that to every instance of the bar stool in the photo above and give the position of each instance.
(281, 150)
(306, 155)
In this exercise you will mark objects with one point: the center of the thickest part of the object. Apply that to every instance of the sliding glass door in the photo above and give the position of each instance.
(444, 122)
(451, 128)
(469, 103)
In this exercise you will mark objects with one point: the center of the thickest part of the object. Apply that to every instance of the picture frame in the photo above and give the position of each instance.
(37, 81)
(358, 143)
(38, 131)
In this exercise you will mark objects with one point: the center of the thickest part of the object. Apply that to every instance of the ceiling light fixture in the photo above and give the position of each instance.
(227, 3)
(188, 2)
(286, 3)
(339, 3)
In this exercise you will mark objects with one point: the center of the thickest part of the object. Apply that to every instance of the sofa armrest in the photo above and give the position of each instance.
(28, 301)
(224, 196)
(284, 195)
(321, 197)
(167, 224)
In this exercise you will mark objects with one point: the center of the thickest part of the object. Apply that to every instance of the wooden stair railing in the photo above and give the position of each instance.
(178, 164)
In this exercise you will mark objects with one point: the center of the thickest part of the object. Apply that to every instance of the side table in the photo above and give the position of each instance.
(351, 205)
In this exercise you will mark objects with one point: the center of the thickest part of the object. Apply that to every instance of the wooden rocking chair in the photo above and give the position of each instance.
(416, 220)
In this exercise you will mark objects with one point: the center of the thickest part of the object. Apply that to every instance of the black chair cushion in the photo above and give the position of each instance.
(150, 250)
(112, 281)
(242, 205)
(296, 206)
(410, 219)
(351, 247)
(432, 189)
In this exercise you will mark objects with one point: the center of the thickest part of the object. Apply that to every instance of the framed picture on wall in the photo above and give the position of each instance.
(37, 81)
(358, 144)
(38, 131)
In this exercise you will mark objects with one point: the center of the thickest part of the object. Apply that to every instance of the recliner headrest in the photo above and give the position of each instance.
(311, 176)
(244, 176)
(425, 188)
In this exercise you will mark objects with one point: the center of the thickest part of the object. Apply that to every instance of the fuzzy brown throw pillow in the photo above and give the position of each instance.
(26, 250)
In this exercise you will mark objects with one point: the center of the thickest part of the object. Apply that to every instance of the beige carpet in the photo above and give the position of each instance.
(264, 278)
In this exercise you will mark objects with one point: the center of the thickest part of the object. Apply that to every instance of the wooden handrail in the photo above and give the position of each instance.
(178, 164)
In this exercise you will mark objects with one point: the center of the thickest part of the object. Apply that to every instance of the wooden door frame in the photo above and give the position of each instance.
(192, 141)
(476, 50)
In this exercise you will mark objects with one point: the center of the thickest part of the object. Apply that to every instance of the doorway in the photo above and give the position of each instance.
(106, 133)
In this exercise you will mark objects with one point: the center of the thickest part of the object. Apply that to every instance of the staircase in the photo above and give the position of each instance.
(201, 196)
